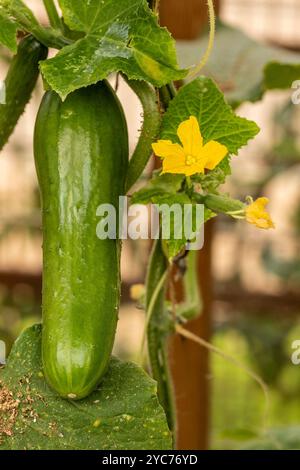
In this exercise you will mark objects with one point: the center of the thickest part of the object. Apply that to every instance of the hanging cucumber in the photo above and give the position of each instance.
(81, 153)
(19, 84)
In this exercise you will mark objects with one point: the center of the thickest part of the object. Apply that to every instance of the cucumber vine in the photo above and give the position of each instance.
(81, 153)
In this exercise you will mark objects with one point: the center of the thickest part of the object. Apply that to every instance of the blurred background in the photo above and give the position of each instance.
(253, 277)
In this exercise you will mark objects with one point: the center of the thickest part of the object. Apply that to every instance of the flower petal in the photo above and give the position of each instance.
(165, 148)
(172, 165)
(190, 136)
(194, 169)
(257, 215)
(213, 153)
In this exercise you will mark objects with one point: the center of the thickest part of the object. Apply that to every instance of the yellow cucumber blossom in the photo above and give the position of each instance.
(192, 156)
(257, 215)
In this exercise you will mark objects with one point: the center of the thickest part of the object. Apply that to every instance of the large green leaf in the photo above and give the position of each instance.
(122, 414)
(8, 32)
(237, 64)
(120, 35)
(203, 99)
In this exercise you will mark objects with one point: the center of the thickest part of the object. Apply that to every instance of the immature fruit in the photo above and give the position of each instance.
(81, 153)
(159, 330)
(19, 84)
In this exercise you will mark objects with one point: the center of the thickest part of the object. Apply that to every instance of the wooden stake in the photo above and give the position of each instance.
(189, 363)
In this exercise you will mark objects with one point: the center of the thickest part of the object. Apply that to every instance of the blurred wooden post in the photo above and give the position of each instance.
(185, 18)
(189, 362)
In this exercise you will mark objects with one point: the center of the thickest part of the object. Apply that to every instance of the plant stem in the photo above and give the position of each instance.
(150, 308)
(50, 37)
(228, 357)
(149, 132)
(53, 15)
(212, 34)
(172, 89)
(166, 94)
(191, 307)
(154, 5)
(158, 331)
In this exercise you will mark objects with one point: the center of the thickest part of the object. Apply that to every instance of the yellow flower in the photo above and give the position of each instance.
(192, 156)
(137, 291)
(257, 215)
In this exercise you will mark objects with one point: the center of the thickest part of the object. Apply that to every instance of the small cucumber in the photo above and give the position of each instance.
(81, 154)
(19, 84)
(158, 333)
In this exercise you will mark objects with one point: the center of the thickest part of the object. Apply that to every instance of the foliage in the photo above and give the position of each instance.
(248, 70)
(119, 36)
(202, 98)
(95, 39)
(280, 76)
(284, 438)
(8, 32)
(238, 405)
(122, 414)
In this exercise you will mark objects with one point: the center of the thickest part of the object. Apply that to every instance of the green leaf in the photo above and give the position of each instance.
(120, 35)
(203, 99)
(8, 31)
(181, 229)
(237, 63)
(122, 414)
(164, 189)
(281, 76)
(13, 8)
(211, 180)
(159, 185)
(25, 20)
(284, 438)
(174, 224)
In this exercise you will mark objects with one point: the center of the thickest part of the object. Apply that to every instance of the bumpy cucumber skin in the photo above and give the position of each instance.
(19, 83)
(81, 154)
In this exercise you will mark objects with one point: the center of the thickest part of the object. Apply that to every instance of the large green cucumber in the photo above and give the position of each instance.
(81, 154)
(19, 84)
